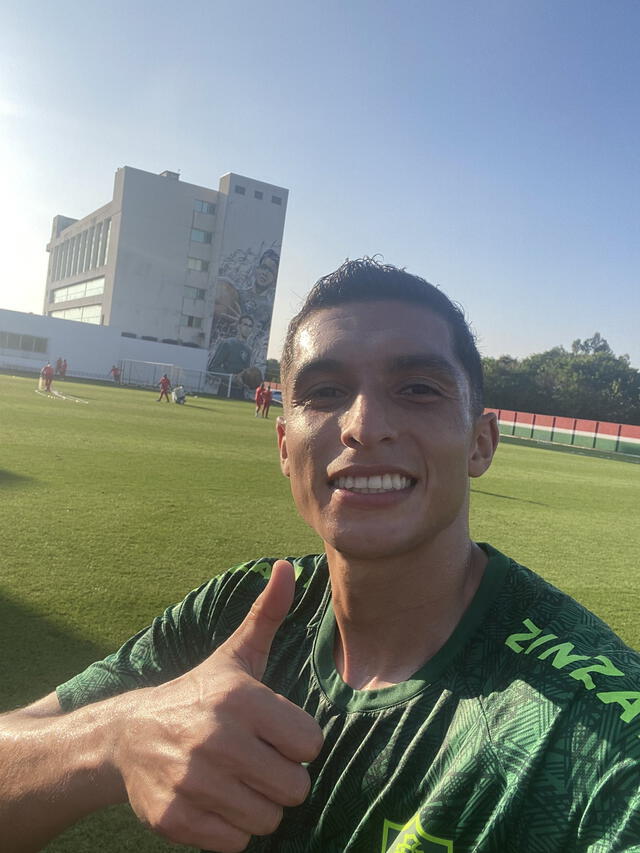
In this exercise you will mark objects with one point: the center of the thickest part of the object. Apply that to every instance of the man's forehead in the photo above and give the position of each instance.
(372, 325)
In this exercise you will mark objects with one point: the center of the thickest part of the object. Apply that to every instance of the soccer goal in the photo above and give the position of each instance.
(147, 374)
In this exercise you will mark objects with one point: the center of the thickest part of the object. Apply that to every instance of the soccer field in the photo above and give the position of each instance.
(115, 507)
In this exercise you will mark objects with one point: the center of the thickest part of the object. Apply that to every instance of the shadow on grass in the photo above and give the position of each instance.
(37, 655)
(189, 405)
(507, 497)
(570, 448)
(10, 480)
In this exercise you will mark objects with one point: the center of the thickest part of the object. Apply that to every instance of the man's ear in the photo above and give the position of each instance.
(281, 429)
(485, 441)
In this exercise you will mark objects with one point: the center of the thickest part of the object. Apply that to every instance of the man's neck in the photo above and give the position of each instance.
(393, 615)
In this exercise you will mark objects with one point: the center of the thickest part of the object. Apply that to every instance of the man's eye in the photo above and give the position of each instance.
(321, 395)
(324, 392)
(419, 389)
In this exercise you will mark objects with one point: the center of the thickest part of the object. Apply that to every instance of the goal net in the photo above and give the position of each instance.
(147, 374)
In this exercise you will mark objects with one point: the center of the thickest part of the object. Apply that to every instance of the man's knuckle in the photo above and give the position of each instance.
(298, 790)
(271, 821)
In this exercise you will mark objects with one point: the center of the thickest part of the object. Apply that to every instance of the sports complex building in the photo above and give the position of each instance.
(167, 273)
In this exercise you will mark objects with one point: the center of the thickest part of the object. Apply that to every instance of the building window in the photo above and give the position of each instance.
(104, 255)
(85, 314)
(204, 207)
(194, 292)
(93, 287)
(239, 189)
(199, 236)
(197, 264)
(25, 343)
(258, 194)
(96, 245)
(275, 199)
(192, 322)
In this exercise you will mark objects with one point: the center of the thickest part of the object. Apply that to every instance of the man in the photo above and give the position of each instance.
(267, 397)
(259, 398)
(165, 387)
(410, 691)
(234, 354)
(46, 375)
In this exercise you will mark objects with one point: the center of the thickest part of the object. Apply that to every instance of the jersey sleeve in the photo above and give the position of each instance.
(172, 644)
(181, 638)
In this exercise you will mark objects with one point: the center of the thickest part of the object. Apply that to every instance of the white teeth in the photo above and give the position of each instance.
(376, 483)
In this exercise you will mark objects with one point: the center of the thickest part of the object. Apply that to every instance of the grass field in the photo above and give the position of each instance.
(114, 509)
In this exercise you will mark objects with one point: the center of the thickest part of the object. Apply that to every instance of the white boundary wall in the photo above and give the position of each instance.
(90, 350)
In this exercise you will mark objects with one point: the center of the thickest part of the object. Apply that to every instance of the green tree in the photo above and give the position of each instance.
(272, 373)
(588, 382)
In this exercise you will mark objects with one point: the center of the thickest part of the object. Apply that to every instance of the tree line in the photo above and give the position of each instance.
(587, 381)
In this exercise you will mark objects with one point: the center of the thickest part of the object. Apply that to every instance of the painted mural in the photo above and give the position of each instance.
(245, 291)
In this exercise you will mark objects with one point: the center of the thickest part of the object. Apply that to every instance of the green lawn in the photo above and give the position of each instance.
(114, 509)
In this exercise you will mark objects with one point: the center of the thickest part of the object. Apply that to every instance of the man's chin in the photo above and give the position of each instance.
(371, 546)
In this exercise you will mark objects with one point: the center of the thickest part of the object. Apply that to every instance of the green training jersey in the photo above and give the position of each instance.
(521, 735)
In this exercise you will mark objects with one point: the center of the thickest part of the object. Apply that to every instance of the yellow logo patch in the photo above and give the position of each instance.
(411, 838)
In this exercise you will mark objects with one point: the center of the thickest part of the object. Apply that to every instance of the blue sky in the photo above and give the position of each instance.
(492, 146)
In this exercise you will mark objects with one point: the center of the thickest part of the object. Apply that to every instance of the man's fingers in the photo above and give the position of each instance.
(251, 642)
(292, 731)
(184, 825)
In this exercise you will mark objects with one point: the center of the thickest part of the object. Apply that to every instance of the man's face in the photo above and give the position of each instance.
(379, 439)
(266, 274)
(245, 327)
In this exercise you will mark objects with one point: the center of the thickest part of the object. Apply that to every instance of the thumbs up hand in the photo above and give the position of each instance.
(212, 757)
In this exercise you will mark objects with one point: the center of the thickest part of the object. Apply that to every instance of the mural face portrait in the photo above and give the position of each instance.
(267, 271)
(245, 327)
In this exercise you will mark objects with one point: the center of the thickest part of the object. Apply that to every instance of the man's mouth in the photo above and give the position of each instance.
(375, 484)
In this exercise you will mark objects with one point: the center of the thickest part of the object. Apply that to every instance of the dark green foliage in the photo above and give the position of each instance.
(272, 373)
(588, 382)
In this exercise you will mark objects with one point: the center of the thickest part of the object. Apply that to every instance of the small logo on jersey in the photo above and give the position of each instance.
(411, 838)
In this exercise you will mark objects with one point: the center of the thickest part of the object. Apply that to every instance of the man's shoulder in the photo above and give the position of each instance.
(554, 617)
(548, 658)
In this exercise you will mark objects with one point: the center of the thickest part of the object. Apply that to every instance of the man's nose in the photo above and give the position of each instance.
(367, 422)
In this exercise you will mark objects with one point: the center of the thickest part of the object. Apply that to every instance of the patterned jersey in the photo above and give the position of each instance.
(521, 735)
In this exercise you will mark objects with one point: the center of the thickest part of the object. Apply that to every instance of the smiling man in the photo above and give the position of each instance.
(406, 690)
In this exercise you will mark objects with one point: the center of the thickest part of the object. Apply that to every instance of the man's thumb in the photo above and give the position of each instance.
(251, 642)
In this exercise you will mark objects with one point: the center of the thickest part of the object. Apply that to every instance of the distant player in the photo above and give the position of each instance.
(178, 395)
(165, 387)
(47, 376)
(116, 373)
(63, 368)
(259, 398)
(267, 397)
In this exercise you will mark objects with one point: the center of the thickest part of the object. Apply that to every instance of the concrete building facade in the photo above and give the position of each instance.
(173, 262)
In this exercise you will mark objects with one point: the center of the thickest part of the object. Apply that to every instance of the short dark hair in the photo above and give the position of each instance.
(245, 317)
(269, 254)
(368, 280)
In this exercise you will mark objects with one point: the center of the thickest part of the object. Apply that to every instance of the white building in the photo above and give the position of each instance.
(172, 262)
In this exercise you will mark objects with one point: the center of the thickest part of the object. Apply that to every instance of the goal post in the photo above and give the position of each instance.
(147, 374)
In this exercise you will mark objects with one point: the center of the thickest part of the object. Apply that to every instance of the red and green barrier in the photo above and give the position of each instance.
(578, 432)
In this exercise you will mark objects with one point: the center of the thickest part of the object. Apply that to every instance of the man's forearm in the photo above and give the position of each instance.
(55, 770)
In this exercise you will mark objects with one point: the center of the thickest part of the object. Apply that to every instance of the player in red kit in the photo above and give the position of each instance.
(165, 387)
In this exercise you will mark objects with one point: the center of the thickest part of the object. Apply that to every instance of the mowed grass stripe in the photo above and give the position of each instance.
(113, 510)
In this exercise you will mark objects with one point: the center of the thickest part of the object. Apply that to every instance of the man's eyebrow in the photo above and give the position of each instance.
(316, 365)
(426, 361)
